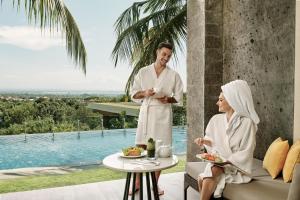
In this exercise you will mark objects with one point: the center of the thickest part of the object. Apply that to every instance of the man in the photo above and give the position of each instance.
(156, 86)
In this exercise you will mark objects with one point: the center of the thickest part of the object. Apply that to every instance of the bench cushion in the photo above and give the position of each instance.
(195, 168)
(294, 193)
(261, 187)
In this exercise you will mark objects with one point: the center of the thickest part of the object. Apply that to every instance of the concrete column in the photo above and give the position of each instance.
(195, 74)
(205, 66)
(297, 75)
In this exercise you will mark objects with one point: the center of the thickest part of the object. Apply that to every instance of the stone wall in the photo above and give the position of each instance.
(259, 47)
(297, 75)
(246, 39)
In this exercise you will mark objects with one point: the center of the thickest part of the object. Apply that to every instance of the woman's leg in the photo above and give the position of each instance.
(208, 185)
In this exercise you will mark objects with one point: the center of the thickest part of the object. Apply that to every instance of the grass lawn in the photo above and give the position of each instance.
(75, 178)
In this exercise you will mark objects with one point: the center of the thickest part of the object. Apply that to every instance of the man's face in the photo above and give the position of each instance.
(163, 55)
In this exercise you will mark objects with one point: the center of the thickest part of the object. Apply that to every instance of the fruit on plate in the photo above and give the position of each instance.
(132, 151)
(211, 157)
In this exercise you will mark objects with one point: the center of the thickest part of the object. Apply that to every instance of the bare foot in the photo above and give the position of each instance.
(136, 190)
(160, 191)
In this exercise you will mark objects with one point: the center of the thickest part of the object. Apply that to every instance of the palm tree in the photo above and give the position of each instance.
(53, 14)
(142, 26)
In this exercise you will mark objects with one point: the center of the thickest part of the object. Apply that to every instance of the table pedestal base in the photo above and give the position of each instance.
(154, 185)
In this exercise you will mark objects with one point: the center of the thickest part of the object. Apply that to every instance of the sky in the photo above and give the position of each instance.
(32, 60)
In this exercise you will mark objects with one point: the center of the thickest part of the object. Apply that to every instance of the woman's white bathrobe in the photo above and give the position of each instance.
(155, 118)
(236, 146)
(233, 140)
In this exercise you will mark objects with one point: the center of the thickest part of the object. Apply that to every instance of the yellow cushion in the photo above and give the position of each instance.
(275, 157)
(293, 157)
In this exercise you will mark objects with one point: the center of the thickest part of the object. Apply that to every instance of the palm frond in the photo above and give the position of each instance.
(143, 26)
(55, 15)
(133, 37)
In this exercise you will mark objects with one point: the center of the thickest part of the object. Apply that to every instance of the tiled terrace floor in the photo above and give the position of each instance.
(108, 190)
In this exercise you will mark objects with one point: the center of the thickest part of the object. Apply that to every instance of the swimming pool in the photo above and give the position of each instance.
(41, 150)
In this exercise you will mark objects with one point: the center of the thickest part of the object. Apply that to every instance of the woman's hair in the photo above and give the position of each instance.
(165, 45)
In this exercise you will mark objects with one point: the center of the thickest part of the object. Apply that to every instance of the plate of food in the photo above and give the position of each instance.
(213, 158)
(133, 152)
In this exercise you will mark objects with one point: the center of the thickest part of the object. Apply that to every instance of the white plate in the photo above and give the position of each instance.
(144, 153)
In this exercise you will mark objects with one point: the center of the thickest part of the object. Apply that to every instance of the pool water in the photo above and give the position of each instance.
(41, 150)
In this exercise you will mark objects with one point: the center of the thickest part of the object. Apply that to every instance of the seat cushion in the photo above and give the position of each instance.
(262, 185)
(267, 189)
(195, 168)
(294, 192)
(258, 170)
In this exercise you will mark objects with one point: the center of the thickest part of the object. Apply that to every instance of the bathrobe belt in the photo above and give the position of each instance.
(146, 104)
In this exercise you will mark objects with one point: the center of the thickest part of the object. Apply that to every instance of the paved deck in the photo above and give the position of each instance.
(108, 190)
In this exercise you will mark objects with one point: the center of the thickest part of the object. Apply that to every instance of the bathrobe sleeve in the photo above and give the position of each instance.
(178, 90)
(136, 87)
(242, 156)
(209, 135)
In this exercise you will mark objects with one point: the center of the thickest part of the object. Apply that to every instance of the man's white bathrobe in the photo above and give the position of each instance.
(233, 141)
(155, 118)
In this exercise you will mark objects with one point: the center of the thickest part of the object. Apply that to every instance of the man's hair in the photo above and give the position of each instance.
(165, 45)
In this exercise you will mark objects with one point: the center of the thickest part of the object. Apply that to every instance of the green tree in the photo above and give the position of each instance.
(55, 15)
(145, 24)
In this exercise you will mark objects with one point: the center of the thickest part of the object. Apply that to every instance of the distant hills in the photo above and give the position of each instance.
(60, 92)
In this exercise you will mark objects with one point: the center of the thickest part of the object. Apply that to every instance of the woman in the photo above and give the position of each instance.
(232, 136)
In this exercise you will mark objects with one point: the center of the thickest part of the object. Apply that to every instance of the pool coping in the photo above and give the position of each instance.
(33, 171)
(53, 170)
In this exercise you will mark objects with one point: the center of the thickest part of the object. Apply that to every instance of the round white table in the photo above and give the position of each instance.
(139, 165)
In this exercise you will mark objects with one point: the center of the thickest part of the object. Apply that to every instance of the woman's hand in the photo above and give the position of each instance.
(201, 141)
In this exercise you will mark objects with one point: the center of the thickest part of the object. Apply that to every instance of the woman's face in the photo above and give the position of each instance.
(223, 104)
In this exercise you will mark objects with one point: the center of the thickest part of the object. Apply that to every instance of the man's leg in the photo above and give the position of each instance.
(160, 191)
(137, 180)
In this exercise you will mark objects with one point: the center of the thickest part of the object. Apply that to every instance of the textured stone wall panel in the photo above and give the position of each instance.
(259, 39)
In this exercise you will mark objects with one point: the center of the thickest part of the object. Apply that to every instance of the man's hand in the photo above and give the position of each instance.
(149, 92)
(166, 99)
(163, 100)
(144, 93)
